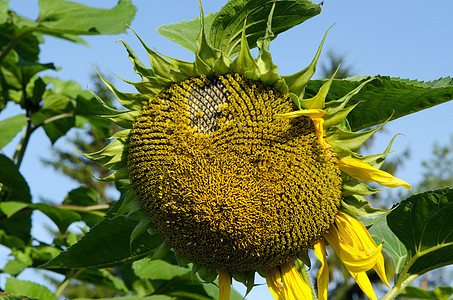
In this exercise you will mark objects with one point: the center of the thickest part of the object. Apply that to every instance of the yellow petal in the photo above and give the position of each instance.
(361, 237)
(354, 259)
(224, 285)
(323, 273)
(287, 284)
(364, 283)
(366, 173)
(313, 113)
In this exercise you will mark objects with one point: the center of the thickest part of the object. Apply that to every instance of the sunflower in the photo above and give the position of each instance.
(239, 173)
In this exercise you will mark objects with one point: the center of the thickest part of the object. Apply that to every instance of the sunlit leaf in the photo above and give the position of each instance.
(424, 224)
(10, 128)
(64, 17)
(29, 289)
(158, 269)
(392, 245)
(225, 27)
(379, 99)
(225, 32)
(185, 33)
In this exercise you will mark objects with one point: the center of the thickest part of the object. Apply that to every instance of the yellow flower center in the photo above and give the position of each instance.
(227, 182)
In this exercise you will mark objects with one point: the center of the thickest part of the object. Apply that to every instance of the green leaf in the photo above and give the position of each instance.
(28, 289)
(103, 278)
(61, 217)
(424, 224)
(107, 245)
(158, 269)
(224, 28)
(59, 17)
(185, 33)
(225, 32)
(379, 99)
(56, 116)
(10, 241)
(11, 178)
(440, 293)
(84, 196)
(392, 245)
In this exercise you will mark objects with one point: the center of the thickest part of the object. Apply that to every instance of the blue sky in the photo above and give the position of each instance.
(408, 39)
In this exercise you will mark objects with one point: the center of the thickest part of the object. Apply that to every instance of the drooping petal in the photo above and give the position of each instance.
(357, 250)
(366, 173)
(323, 273)
(354, 259)
(285, 283)
(364, 283)
(224, 285)
(362, 238)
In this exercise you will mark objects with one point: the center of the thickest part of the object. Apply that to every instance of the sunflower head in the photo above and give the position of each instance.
(215, 167)
(231, 165)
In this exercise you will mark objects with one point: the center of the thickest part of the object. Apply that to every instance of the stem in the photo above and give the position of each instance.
(20, 150)
(306, 277)
(92, 209)
(65, 283)
(399, 286)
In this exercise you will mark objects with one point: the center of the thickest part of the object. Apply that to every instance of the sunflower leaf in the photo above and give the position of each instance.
(428, 217)
(185, 33)
(226, 30)
(100, 240)
(67, 19)
(379, 99)
(392, 245)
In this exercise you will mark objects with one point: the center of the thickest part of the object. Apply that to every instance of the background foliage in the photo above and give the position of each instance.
(57, 106)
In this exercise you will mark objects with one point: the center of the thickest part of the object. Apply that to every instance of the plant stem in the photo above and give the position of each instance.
(399, 286)
(66, 282)
(306, 277)
(20, 150)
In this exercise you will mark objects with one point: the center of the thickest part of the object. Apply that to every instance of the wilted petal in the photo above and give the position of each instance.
(357, 250)
(364, 172)
(364, 283)
(287, 284)
(224, 285)
(354, 259)
(323, 273)
(362, 238)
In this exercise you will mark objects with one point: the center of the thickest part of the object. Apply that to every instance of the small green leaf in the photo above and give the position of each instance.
(107, 245)
(59, 17)
(225, 32)
(185, 33)
(424, 224)
(84, 196)
(392, 245)
(158, 269)
(61, 217)
(103, 278)
(56, 116)
(28, 289)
